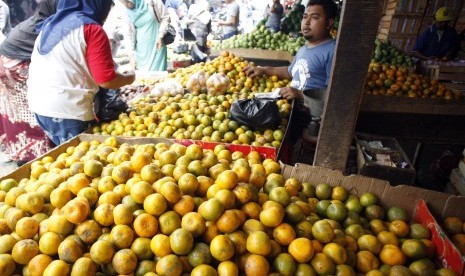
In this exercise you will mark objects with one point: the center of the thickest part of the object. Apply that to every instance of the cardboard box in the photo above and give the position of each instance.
(395, 175)
(422, 205)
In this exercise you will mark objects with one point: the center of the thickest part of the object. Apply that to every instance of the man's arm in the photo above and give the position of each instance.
(281, 72)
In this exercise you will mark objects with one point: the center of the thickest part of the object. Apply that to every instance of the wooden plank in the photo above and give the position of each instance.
(372, 103)
(359, 25)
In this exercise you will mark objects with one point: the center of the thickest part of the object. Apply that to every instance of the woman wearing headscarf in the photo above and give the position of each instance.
(149, 21)
(71, 59)
(20, 135)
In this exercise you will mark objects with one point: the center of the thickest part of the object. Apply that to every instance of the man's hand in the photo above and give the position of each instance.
(290, 93)
(253, 71)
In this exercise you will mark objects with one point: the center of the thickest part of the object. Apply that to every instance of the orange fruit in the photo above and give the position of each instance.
(227, 179)
(392, 255)
(150, 173)
(160, 245)
(284, 264)
(367, 199)
(258, 242)
(423, 267)
(140, 160)
(273, 216)
(452, 225)
(168, 222)
(24, 250)
(228, 222)
(38, 264)
(222, 248)
(88, 231)
(93, 168)
(459, 241)
(169, 265)
(31, 202)
(185, 205)
(145, 225)
(200, 254)
(7, 242)
(322, 231)
(140, 190)
(301, 249)
(400, 228)
(194, 223)
(76, 210)
(284, 234)
(141, 247)
(171, 192)
(69, 251)
(256, 265)
(122, 236)
(335, 252)
(49, 242)
(122, 214)
(27, 227)
(369, 243)
(211, 209)
(366, 261)
(181, 241)
(419, 231)
(155, 204)
(397, 213)
(252, 210)
(57, 267)
(226, 197)
(239, 239)
(84, 266)
(228, 268)
(386, 237)
(204, 269)
(103, 214)
(414, 249)
(124, 261)
(322, 264)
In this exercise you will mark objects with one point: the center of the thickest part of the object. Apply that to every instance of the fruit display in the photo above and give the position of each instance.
(158, 209)
(455, 229)
(291, 22)
(392, 80)
(385, 52)
(201, 117)
(262, 38)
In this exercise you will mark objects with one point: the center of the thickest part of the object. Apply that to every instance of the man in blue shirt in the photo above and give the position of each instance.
(439, 40)
(311, 67)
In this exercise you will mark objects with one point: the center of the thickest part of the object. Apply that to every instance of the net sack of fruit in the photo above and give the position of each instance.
(256, 113)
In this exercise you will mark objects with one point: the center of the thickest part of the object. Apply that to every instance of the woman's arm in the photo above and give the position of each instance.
(164, 17)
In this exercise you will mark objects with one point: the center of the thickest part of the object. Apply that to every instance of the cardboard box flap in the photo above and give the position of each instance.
(454, 207)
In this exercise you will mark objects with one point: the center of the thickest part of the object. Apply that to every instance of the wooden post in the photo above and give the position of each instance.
(355, 43)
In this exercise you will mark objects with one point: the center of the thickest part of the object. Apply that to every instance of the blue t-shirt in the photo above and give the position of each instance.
(428, 42)
(311, 67)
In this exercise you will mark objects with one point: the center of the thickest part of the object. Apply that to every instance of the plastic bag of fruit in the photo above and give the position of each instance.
(197, 82)
(217, 84)
(169, 86)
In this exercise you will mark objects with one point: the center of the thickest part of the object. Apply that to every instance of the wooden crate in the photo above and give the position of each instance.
(395, 175)
(444, 71)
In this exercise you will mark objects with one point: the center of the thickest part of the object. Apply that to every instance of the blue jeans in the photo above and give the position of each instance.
(229, 35)
(61, 130)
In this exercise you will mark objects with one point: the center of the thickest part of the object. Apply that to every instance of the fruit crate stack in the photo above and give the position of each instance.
(383, 157)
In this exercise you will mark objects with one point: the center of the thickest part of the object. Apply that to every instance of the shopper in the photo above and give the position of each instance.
(199, 19)
(275, 13)
(148, 24)
(71, 59)
(20, 134)
(311, 67)
(439, 40)
(5, 25)
(231, 23)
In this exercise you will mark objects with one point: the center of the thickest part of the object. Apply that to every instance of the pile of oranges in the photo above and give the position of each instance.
(393, 80)
(455, 229)
(158, 209)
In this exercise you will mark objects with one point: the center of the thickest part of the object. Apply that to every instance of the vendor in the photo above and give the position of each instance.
(71, 59)
(311, 67)
(439, 40)
(275, 13)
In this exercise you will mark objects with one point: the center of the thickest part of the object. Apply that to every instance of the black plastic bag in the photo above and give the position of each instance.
(256, 113)
(108, 105)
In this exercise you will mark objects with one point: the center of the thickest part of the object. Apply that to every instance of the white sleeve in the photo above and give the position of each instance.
(163, 16)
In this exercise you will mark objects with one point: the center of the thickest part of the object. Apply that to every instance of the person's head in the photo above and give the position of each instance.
(228, 1)
(443, 16)
(318, 19)
(128, 3)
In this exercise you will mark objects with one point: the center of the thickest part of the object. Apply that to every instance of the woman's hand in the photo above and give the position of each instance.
(159, 44)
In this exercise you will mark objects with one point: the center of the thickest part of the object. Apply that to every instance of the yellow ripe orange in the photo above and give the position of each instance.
(124, 261)
(185, 205)
(145, 225)
(57, 267)
(49, 242)
(400, 228)
(252, 210)
(392, 255)
(59, 224)
(78, 182)
(160, 245)
(228, 222)
(256, 265)
(228, 268)
(366, 261)
(122, 236)
(301, 249)
(89, 231)
(103, 214)
(227, 179)
(101, 252)
(194, 223)
(335, 252)
(258, 242)
(168, 222)
(181, 241)
(122, 214)
(171, 192)
(24, 250)
(27, 227)
(284, 234)
(38, 264)
(84, 266)
(69, 251)
(169, 265)
(222, 248)
(139, 160)
(272, 217)
(76, 210)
